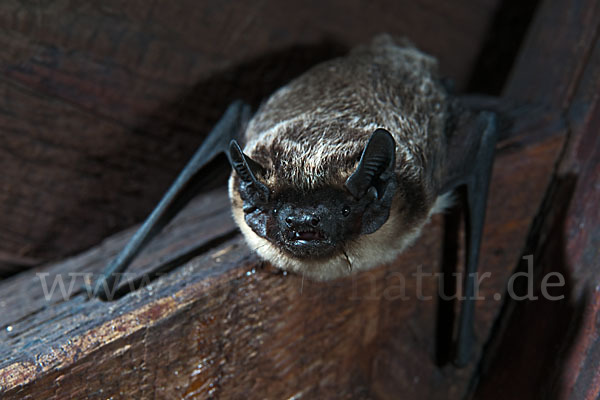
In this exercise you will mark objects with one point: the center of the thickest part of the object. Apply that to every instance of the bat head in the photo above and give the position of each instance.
(317, 224)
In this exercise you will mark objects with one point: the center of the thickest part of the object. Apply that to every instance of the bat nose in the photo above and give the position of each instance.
(302, 219)
(298, 220)
(304, 231)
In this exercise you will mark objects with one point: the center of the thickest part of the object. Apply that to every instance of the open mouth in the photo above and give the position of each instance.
(308, 243)
(308, 236)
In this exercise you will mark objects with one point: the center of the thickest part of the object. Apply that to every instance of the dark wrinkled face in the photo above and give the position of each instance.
(317, 223)
(308, 224)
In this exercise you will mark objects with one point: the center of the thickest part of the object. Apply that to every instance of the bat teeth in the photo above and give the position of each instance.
(308, 235)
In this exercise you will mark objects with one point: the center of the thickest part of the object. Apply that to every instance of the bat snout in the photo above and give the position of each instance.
(304, 233)
(302, 221)
(304, 227)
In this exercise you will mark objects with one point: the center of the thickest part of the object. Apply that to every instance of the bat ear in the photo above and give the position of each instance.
(375, 177)
(247, 169)
(376, 164)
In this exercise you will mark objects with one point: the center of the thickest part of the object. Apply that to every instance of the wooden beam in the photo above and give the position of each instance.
(223, 325)
(218, 323)
(548, 348)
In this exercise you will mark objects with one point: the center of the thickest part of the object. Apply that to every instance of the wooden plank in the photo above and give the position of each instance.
(215, 328)
(407, 356)
(57, 182)
(223, 326)
(555, 53)
(103, 103)
(548, 348)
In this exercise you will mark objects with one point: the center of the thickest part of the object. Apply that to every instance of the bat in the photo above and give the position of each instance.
(341, 168)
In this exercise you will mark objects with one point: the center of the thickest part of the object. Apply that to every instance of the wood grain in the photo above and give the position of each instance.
(224, 326)
(548, 349)
(216, 322)
(101, 104)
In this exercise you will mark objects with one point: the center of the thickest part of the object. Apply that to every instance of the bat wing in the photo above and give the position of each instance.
(185, 187)
(471, 147)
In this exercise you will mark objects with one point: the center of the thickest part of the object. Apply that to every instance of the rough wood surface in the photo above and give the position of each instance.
(219, 324)
(102, 103)
(550, 349)
(223, 326)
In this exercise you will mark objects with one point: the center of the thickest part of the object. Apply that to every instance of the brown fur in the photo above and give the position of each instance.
(311, 133)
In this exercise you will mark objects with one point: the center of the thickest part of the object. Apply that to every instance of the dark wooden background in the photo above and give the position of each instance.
(101, 105)
(104, 102)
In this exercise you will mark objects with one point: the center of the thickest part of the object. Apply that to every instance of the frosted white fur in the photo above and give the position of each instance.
(310, 132)
(306, 164)
(326, 116)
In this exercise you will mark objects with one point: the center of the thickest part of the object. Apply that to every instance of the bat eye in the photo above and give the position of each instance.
(346, 211)
(275, 211)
